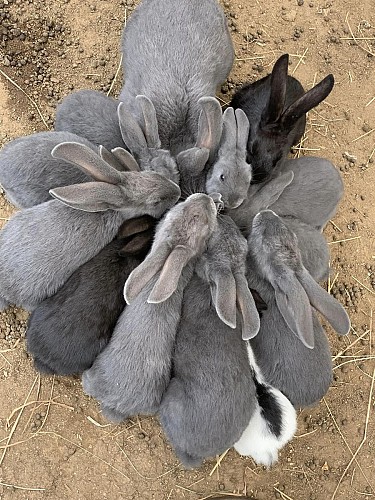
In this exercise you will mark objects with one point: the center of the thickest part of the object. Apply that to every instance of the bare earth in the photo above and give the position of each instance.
(54, 443)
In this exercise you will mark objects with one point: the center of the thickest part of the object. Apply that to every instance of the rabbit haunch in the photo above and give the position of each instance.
(30, 272)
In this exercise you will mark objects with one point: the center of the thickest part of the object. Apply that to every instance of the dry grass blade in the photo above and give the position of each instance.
(354, 38)
(141, 475)
(115, 77)
(340, 353)
(283, 495)
(27, 96)
(364, 286)
(364, 436)
(55, 434)
(300, 60)
(218, 462)
(342, 241)
(363, 135)
(14, 427)
(24, 488)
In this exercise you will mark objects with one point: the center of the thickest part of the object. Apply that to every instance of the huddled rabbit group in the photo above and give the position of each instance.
(171, 252)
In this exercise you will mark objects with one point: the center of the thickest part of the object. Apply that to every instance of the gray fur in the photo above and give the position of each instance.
(174, 53)
(28, 171)
(315, 192)
(131, 374)
(223, 267)
(211, 397)
(276, 107)
(40, 247)
(307, 188)
(92, 115)
(301, 373)
(67, 331)
(230, 174)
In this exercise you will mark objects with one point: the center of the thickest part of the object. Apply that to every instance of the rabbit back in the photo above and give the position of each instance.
(67, 331)
(211, 396)
(41, 246)
(303, 375)
(315, 192)
(131, 374)
(28, 171)
(92, 115)
(175, 53)
(313, 248)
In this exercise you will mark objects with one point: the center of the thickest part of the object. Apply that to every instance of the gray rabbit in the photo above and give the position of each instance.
(67, 331)
(92, 115)
(276, 107)
(130, 375)
(217, 397)
(214, 400)
(28, 171)
(312, 194)
(291, 347)
(31, 271)
(175, 53)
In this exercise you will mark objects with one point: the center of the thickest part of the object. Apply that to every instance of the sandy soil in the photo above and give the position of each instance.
(54, 443)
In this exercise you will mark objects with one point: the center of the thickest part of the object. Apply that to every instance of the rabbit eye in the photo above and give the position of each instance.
(222, 177)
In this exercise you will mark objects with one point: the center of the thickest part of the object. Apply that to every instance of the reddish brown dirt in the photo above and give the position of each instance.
(58, 442)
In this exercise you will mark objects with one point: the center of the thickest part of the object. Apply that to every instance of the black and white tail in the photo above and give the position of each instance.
(273, 423)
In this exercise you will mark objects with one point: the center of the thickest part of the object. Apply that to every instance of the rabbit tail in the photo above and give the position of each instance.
(271, 426)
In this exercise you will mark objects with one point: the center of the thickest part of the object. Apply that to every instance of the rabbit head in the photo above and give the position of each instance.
(180, 236)
(223, 266)
(138, 192)
(142, 139)
(276, 107)
(274, 248)
(229, 174)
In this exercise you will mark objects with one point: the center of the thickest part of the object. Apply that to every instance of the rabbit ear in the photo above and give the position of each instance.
(223, 292)
(87, 160)
(327, 305)
(90, 196)
(294, 306)
(192, 161)
(308, 101)
(142, 274)
(243, 128)
(126, 159)
(131, 131)
(278, 84)
(150, 121)
(228, 139)
(266, 195)
(135, 226)
(247, 307)
(137, 244)
(111, 159)
(209, 125)
(167, 282)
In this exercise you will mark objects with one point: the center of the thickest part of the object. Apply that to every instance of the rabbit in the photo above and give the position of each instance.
(174, 53)
(92, 115)
(131, 374)
(276, 107)
(211, 399)
(312, 194)
(223, 267)
(291, 347)
(217, 162)
(31, 271)
(67, 331)
(28, 171)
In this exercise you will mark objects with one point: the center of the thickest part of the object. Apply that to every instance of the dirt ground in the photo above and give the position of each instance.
(54, 443)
